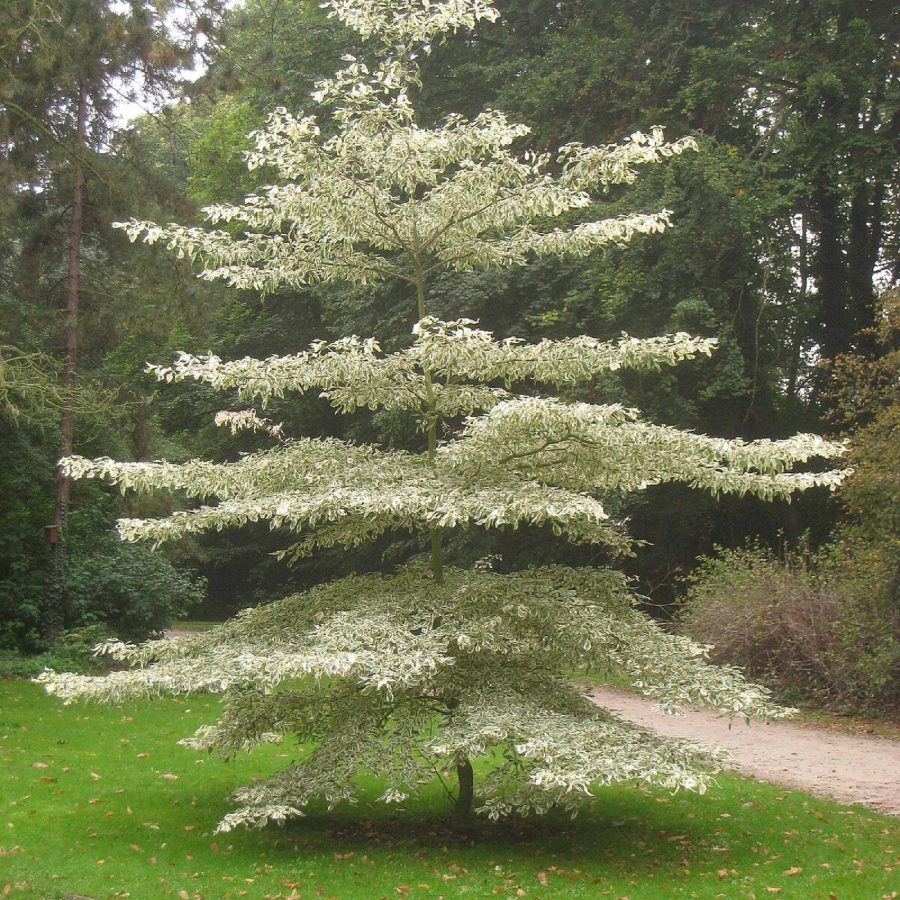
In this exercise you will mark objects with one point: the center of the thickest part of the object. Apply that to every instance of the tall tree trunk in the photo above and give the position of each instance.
(56, 609)
(865, 236)
(796, 345)
(836, 332)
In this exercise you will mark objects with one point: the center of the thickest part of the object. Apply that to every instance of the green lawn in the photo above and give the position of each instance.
(100, 802)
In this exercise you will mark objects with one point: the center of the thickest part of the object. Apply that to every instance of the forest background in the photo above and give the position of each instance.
(784, 247)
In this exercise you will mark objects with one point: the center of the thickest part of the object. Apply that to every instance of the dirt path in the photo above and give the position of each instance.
(848, 768)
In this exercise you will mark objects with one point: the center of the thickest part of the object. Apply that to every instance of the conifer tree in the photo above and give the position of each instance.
(420, 672)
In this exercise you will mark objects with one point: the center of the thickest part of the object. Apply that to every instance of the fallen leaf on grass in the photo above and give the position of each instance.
(95, 776)
(169, 776)
(40, 765)
(542, 878)
(793, 870)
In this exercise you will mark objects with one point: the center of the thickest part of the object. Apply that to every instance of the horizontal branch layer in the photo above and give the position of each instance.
(394, 634)
(588, 447)
(462, 360)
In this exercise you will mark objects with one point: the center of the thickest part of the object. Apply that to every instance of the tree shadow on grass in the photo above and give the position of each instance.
(628, 826)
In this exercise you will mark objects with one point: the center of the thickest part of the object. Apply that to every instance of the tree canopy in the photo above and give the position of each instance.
(430, 666)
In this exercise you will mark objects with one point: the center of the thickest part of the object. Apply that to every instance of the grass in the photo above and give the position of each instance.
(850, 723)
(99, 802)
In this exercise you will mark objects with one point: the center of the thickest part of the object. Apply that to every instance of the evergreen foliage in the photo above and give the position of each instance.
(412, 674)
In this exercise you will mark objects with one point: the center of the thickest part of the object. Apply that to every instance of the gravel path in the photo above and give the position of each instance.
(844, 767)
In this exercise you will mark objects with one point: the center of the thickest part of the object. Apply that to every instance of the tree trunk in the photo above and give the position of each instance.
(796, 344)
(462, 809)
(831, 274)
(864, 239)
(56, 606)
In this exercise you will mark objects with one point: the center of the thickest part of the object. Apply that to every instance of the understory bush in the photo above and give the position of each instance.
(73, 650)
(130, 591)
(822, 627)
(126, 591)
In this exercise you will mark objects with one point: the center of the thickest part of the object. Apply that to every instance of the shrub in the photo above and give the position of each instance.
(72, 652)
(867, 635)
(821, 627)
(771, 617)
(130, 591)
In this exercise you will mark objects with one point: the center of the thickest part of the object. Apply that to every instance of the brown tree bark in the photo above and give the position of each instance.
(56, 607)
(462, 809)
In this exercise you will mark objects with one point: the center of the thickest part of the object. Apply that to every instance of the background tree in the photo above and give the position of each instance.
(66, 64)
(434, 665)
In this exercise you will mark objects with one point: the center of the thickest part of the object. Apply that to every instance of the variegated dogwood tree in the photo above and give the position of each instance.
(416, 674)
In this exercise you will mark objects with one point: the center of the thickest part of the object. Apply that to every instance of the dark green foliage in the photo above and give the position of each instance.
(781, 223)
(26, 489)
(14, 665)
(826, 624)
(131, 591)
(52, 52)
(865, 396)
(72, 652)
